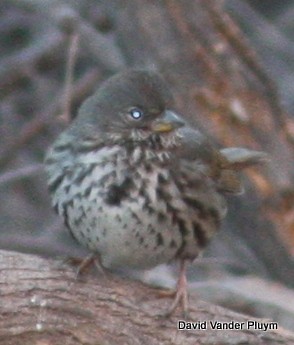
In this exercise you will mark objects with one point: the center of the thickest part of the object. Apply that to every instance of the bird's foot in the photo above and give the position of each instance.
(165, 292)
(180, 294)
(84, 265)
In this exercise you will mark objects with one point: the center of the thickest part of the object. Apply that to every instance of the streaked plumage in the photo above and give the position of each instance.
(136, 184)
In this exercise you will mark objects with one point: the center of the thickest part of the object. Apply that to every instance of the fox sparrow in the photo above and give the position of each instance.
(135, 184)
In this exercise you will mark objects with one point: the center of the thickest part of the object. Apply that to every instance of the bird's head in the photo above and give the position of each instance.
(132, 106)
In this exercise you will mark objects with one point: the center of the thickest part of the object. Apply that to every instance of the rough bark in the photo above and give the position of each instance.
(43, 303)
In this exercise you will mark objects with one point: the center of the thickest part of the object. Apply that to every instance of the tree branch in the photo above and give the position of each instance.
(42, 300)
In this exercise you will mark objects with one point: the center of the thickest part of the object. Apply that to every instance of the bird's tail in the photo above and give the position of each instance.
(237, 158)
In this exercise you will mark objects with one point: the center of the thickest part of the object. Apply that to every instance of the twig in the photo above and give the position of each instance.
(69, 73)
(21, 173)
(103, 48)
(33, 128)
(194, 36)
(19, 64)
(230, 31)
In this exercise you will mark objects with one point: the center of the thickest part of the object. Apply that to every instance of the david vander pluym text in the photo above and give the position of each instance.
(233, 325)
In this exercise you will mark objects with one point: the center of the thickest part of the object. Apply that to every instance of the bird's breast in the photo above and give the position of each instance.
(135, 208)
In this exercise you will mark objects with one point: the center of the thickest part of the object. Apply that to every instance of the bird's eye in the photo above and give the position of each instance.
(136, 113)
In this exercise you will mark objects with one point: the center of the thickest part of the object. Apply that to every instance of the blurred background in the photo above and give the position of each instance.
(231, 69)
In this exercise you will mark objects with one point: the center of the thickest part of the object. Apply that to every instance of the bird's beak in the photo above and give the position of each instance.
(168, 122)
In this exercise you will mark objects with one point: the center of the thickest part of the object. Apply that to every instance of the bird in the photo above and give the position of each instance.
(136, 184)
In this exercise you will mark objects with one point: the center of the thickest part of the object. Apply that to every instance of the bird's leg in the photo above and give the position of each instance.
(99, 266)
(86, 263)
(181, 294)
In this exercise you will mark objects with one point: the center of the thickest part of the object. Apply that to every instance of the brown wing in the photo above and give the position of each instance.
(219, 165)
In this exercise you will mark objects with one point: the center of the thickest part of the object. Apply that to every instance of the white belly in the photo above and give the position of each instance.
(126, 234)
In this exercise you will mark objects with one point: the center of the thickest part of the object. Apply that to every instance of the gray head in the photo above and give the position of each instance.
(131, 105)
